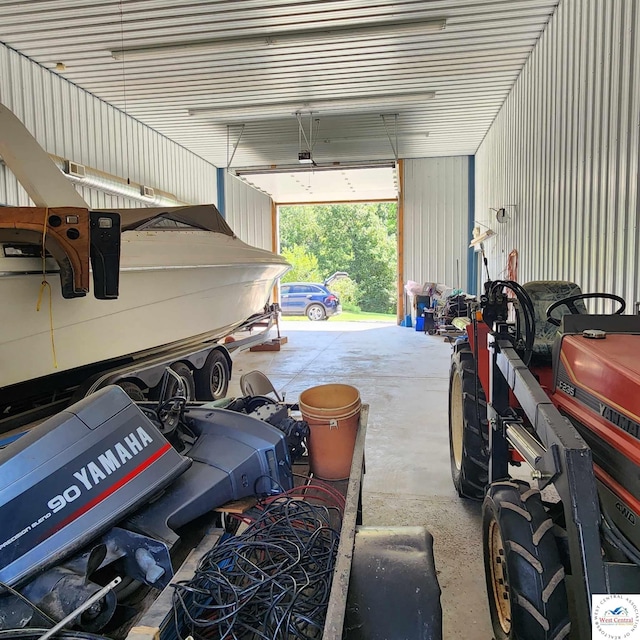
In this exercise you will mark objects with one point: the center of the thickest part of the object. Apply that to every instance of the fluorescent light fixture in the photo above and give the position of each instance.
(341, 166)
(388, 29)
(481, 237)
(414, 137)
(370, 104)
(335, 140)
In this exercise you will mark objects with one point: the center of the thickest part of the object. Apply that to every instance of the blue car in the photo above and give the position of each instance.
(308, 299)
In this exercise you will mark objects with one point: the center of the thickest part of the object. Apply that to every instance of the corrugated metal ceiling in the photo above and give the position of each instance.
(470, 65)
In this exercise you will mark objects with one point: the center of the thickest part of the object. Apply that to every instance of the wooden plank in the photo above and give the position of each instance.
(144, 633)
(238, 506)
(271, 345)
(342, 571)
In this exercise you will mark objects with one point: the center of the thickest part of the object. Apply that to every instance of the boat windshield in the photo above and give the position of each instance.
(205, 217)
(166, 222)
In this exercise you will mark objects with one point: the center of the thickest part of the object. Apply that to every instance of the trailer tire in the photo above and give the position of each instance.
(212, 381)
(132, 389)
(524, 572)
(187, 379)
(468, 426)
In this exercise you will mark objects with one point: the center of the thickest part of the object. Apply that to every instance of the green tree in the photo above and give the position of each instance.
(359, 239)
(347, 290)
(304, 266)
(299, 227)
(356, 240)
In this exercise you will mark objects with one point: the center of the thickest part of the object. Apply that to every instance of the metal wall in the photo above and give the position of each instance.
(564, 149)
(73, 124)
(436, 211)
(248, 212)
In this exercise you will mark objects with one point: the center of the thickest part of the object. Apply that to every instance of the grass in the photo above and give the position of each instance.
(350, 316)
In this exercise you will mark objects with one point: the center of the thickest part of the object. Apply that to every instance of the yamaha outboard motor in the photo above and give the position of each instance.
(67, 483)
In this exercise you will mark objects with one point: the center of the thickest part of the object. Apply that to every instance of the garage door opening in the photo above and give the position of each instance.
(344, 261)
(341, 218)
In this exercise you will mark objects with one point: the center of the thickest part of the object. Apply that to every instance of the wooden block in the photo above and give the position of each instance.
(271, 345)
(238, 506)
(144, 633)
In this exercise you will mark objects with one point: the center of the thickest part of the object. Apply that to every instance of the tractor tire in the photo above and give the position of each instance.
(524, 572)
(468, 426)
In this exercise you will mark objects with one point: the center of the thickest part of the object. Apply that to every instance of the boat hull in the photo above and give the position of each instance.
(173, 285)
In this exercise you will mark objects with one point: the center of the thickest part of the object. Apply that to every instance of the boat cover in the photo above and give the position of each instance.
(205, 216)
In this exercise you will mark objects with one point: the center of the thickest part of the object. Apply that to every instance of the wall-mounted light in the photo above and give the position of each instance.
(362, 105)
(480, 236)
(301, 38)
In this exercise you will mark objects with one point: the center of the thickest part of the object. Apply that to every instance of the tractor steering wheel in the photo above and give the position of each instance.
(571, 300)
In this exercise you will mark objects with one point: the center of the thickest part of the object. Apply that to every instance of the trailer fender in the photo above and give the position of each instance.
(393, 589)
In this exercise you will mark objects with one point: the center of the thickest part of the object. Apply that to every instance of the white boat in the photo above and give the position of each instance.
(178, 279)
(183, 273)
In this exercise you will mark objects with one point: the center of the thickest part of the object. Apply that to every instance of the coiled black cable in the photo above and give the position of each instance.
(271, 582)
(528, 315)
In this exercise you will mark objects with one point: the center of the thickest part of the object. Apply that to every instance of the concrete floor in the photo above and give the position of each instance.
(403, 375)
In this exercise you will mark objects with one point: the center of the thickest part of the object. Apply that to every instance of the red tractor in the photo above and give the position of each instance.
(540, 383)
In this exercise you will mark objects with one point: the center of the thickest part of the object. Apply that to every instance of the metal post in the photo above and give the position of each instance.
(497, 407)
(567, 462)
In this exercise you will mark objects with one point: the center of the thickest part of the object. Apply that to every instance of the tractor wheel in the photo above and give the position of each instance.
(524, 573)
(468, 427)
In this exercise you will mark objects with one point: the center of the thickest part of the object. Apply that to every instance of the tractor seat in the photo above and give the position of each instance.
(544, 293)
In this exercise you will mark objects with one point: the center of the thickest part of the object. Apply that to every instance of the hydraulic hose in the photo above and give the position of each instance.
(528, 314)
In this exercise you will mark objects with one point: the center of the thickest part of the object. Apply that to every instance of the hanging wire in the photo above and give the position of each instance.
(46, 285)
(394, 147)
(235, 146)
(124, 142)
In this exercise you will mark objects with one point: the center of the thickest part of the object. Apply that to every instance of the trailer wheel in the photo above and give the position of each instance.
(212, 381)
(188, 381)
(524, 573)
(468, 427)
(132, 390)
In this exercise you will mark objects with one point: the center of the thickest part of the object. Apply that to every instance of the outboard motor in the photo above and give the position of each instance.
(98, 491)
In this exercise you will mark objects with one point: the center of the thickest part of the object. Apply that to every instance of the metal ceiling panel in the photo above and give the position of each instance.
(290, 52)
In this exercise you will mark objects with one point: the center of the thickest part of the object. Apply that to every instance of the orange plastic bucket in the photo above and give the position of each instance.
(333, 414)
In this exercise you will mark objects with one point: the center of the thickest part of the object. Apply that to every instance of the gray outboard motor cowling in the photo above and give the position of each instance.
(74, 476)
